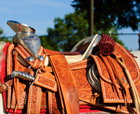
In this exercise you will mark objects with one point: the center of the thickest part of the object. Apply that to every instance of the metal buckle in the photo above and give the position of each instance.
(124, 80)
(35, 77)
(7, 85)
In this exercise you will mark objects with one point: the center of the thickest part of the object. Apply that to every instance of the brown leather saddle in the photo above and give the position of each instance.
(61, 87)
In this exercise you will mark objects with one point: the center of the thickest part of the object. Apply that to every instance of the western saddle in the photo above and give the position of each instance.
(38, 80)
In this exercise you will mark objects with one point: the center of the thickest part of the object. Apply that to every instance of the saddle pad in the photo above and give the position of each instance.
(109, 93)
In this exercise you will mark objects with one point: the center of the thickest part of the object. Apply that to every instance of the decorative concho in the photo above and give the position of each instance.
(30, 59)
(41, 57)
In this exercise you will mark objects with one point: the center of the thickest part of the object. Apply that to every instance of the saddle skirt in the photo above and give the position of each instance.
(109, 95)
(107, 66)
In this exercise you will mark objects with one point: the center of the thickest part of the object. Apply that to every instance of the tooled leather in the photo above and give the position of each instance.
(65, 78)
(22, 91)
(109, 95)
(46, 80)
(22, 88)
(81, 64)
(113, 107)
(16, 80)
(23, 53)
(22, 95)
(35, 92)
(9, 71)
(54, 105)
(79, 71)
(38, 63)
(84, 90)
(51, 52)
(6, 85)
(9, 59)
(34, 100)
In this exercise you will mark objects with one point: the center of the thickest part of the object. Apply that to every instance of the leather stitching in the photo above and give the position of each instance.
(20, 53)
(30, 100)
(51, 103)
(132, 60)
(73, 68)
(37, 99)
(24, 50)
(44, 84)
(79, 62)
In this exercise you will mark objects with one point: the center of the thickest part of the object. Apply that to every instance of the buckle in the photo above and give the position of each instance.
(35, 76)
(6, 85)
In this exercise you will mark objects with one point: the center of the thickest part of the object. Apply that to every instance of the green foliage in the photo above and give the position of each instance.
(2, 37)
(1, 31)
(108, 13)
(70, 30)
(47, 43)
(110, 31)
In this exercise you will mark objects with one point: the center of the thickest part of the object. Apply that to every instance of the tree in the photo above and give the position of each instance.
(1, 33)
(108, 13)
(48, 43)
(70, 30)
(2, 37)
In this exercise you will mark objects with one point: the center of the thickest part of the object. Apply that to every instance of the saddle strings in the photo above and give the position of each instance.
(121, 81)
(131, 83)
(16, 83)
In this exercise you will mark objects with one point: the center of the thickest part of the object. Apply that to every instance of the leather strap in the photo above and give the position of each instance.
(111, 73)
(35, 92)
(16, 81)
(9, 71)
(122, 82)
(134, 92)
(46, 80)
(66, 84)
(34, 99)
(6, 85)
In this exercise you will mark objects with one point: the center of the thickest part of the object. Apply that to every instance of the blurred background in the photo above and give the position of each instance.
(60, 24)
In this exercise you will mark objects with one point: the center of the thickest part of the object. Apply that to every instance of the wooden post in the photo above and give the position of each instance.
(139, 40)
(91, 17)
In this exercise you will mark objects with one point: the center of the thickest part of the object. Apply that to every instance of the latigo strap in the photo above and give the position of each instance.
(66, 84)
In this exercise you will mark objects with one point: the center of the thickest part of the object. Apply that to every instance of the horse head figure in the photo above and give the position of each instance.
(25, 36)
